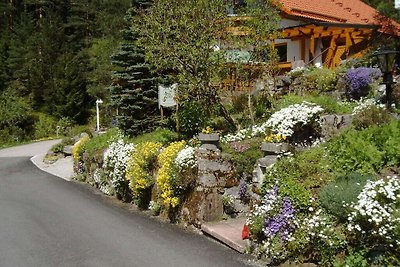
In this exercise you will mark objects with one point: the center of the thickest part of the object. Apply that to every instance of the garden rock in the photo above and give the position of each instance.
(332, 124)
(261, 166)
(67, 150)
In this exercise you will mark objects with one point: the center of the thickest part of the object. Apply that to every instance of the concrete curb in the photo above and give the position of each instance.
(62, 168)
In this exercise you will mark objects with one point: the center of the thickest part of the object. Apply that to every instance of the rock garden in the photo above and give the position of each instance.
(313, 167)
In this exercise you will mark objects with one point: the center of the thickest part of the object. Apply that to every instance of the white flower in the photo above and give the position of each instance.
(186, 158)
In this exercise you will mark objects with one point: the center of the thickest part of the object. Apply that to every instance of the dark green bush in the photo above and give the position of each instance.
(342, 191)
(192, 118)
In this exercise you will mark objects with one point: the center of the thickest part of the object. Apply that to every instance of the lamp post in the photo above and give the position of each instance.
(98, 101)
(386, 60)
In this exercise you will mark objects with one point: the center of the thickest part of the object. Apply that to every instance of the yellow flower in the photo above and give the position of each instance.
(166, 175)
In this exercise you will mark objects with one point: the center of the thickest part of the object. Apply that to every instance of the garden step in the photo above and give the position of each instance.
(229, 232)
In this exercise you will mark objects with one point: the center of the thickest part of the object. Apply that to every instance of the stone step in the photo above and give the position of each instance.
(229, 232)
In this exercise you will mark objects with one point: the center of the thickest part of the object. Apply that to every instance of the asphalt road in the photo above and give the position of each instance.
(47, 221)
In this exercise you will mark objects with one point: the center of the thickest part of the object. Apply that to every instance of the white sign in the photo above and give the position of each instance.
(397, 4)
(166, 95)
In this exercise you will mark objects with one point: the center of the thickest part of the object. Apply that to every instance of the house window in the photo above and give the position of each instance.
(234, 6)
(281, 50)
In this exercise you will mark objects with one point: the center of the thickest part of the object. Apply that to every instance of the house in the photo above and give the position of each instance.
(325, 32)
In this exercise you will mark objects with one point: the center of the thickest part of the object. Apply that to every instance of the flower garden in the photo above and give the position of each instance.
(332, 199)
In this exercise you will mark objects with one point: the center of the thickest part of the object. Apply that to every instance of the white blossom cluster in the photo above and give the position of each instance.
(319, 226)
(102, 183)
(364, 104)
(376, 208)
(116, 159)
(186, 158)
(267, 205)
(284, 121)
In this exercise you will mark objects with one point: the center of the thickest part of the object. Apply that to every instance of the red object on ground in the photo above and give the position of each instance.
(245, 232)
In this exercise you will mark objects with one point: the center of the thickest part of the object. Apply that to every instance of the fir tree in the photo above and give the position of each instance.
(134, 89)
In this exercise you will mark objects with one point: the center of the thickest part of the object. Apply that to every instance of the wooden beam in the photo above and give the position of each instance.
(312, 46)
(303, 49)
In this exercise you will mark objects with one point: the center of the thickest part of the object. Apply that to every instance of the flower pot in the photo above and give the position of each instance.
(209, 139)
(274, 148)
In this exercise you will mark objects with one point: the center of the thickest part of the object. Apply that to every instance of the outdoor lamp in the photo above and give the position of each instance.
(98, 101)
(386, 60)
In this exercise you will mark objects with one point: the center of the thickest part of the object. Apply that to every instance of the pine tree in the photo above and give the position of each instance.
(134, 89)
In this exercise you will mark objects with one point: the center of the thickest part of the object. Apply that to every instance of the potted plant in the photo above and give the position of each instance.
(275, 144)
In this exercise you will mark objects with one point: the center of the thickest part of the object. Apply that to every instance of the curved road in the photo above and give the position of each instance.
(47, 221)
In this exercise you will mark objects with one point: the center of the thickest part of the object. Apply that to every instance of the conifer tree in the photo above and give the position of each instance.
(134, 88)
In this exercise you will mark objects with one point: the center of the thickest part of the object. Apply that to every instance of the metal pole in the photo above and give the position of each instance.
(97, 116)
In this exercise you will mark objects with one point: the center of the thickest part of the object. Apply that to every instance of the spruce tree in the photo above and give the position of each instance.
(134, 88)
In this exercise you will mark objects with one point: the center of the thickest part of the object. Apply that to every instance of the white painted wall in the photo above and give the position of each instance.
(293, 49)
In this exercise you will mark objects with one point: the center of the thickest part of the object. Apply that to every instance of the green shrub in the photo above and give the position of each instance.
(192, 118)
(373, 115)
(345, 189)
(160, 135)
(367, 151)
(45, 126)
(321, 79)
(243, 155)
(300, 177)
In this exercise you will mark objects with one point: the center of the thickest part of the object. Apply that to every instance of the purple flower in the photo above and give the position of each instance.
(281, 223)
(358, 79)
(243, 194)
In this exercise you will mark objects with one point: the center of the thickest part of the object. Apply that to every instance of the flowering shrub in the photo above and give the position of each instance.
(138, 172)
(115, 163)
(186, 158)
(375, 217)
(359, 80)
(366, 103)
(281, 231)
(101, 182)
(284, 122)
(239, 146)
(271, 223)
(166, 179)
(289, 120)
(317, 238)
(77, 148)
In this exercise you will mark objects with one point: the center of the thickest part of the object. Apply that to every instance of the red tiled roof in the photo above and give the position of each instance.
(338, 11)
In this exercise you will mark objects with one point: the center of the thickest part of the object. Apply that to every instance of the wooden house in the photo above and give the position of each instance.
(325, 32)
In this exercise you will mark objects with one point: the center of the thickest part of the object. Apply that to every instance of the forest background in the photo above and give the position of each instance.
(56, 60)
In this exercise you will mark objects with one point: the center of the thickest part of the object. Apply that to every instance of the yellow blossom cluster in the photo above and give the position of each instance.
(138, 170)
(167, 173)
(275, 138)
(77, 148)
(207, 130)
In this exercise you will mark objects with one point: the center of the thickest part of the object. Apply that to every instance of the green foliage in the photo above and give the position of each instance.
(192, 118)
(134, 89)
(373, 115)
(353, 259)
(317, 79)
(300, 176)
(160, 135)
(366, 151)
(243, 155)
(58, 148)
(45, 126)
(344, 190)
(16, 119)
(100, 142)
(329, 104)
